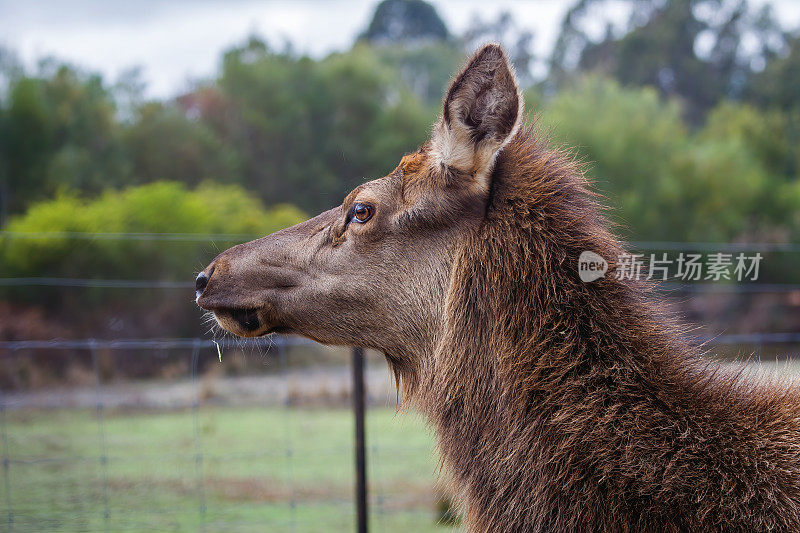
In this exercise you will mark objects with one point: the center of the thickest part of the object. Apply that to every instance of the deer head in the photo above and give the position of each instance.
(374, 272)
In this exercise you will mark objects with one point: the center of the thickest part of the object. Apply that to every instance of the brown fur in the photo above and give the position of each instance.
(559, 405)
(569, 406)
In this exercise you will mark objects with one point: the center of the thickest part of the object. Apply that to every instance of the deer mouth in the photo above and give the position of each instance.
(245, 322)
(257, 319)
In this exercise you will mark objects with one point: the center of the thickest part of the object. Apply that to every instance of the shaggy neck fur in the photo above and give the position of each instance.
(569, 406)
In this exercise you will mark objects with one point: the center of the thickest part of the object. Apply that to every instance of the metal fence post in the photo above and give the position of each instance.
(361, 463)
(101, 432)
(6, 457)
(198, 448)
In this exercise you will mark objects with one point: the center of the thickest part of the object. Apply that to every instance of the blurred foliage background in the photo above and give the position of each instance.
(687, 116)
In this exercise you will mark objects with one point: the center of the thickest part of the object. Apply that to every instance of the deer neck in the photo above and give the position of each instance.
(527, 362)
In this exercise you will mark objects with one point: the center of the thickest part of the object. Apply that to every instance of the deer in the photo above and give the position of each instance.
(558, 404)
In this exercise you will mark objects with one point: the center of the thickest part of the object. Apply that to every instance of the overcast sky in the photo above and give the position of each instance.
(180, 40)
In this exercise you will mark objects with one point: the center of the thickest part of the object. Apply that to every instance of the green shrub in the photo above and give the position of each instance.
(51, 248)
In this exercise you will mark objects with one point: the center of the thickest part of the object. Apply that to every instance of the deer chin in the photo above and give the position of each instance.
(246, 322)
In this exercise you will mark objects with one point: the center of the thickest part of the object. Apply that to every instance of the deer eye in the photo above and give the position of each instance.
(362, 212)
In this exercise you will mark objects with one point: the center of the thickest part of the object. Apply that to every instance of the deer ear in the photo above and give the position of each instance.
(482, 112)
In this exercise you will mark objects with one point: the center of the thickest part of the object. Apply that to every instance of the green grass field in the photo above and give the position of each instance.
(249, 469)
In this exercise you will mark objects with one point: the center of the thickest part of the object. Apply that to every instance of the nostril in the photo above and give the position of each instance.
(200, 284)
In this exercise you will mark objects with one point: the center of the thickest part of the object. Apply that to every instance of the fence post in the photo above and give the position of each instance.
(198, 447)
(6, 454)
(361, 463)
(101, 432)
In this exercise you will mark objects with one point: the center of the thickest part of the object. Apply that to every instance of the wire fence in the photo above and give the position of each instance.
(114, 456)
(269, 448)
(295, 472)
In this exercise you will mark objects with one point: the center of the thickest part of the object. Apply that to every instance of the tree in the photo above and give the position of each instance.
(424, 69)
(777, 85)
(405, 21)
(689, 49)
(60, 131)
(308, 130)
(162, 143)
(775, 89)
(628, 138)
(723, 182)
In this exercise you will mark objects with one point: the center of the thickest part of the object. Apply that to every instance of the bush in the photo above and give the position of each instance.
(727, 181)
(161, 207)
